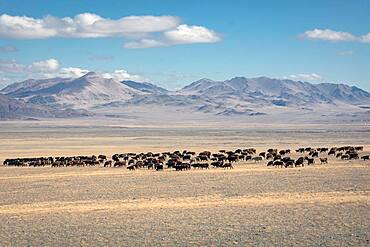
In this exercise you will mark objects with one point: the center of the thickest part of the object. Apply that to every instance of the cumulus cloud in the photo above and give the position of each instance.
(121, 75)
(304, 77)
(85, 25)
(183, 34)
(327, 34)
(334, 36)
(48, 65)
(144, 43)
(11, 70)
(143, 31)
(365, 38)
(8, 48)
(71, 72)
(11, 66)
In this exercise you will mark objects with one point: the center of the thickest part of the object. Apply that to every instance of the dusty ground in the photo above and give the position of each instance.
(84, 137)
(252, 204)
(322, 205)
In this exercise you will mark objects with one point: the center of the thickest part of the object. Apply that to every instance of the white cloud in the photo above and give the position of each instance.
(304, 77)
(143, 31)
(365, 38)
(144, 43)
(4, 80)
(121, 75)
(327, 34)
(85, 25)
(71, 72)
(10, 70)
(48, 65)
(334, 36)
(11, 66)
(8, 48)
(183, 34)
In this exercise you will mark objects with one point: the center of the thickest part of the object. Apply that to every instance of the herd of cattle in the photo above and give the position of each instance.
(187, 160)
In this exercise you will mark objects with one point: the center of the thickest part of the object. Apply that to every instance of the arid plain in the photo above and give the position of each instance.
(251, 204)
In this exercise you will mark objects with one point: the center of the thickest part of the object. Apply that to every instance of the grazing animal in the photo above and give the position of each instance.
(131, 167)
(324, 160)
(290, 163)
(365, 157)
(345, 157)
(159, 167)
(310, 161)
(119, 164)
(299, 162)
(278, 163)
(228, 166)
(257, 159)
(108, 163)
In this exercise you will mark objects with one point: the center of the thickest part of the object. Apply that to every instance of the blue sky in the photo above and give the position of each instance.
(317, 41)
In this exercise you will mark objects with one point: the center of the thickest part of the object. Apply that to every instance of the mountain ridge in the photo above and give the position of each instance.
(239, 96)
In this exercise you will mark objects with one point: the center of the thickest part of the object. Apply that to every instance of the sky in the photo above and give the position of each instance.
(173, 43)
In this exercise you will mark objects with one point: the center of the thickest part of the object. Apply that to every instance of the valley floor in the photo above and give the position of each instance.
(249, 205)
(108, 136)
(320, 205)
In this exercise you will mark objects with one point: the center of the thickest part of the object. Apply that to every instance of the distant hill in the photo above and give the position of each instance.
(238, 96)
(280, 92)
(11, 108)
(84, 92)
(145, 87)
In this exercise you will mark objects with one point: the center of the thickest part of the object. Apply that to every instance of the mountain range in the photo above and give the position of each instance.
(92, 94)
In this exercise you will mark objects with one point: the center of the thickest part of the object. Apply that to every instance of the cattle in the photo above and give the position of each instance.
(365, 157)
(232, 158)
(108, 163)
(186, 157)
(323, 160)
(299, 162)
(159, 167)
(119, 164)
(278, 163)
(345, 157)
(262, 154)
(131, 167)
(182, 166)
(353, 156)
(257, 159)
(200, 165)
(248, 157)
(228, 165)
(217, 164)
(202, 160)
(290, 163)
(310, 161)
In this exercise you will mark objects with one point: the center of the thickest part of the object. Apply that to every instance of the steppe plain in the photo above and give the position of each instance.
(320, 205)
